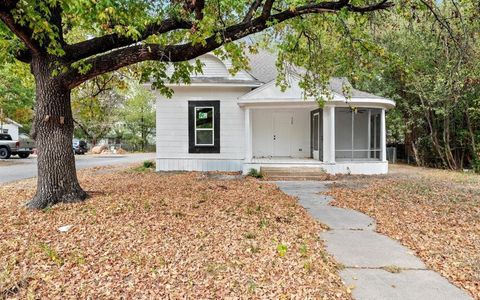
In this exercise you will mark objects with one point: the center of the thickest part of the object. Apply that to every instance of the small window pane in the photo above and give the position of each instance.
(204, 137)
(204, 117)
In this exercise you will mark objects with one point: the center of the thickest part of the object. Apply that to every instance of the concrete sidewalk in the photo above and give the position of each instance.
(376, 267)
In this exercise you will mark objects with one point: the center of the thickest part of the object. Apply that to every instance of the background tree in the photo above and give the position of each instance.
(138, 115)
(95, 105)
(44, 34)
(17, 93)
(426, 57)
(432, 69)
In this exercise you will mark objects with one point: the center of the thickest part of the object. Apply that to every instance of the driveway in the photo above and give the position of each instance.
(17, 169)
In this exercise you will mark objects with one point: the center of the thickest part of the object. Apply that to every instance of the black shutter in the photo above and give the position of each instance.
(192, 148)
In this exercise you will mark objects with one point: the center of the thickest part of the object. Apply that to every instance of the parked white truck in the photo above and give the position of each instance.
(8, 147)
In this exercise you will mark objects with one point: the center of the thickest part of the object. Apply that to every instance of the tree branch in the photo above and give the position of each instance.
(24, 33)
(267, 8)
(113, 41)
(251, 11)
(126, 56)
(363, 9)
(199, 6)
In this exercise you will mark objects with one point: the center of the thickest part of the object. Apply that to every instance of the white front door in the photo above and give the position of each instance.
(282, 128)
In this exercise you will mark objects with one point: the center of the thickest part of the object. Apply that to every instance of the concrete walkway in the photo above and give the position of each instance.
(376, 267)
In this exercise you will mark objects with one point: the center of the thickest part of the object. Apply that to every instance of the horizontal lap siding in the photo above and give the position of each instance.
(199, 165)
(172, 131)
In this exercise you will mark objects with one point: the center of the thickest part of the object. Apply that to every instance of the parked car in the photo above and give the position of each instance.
(8, 147)
(79, 146)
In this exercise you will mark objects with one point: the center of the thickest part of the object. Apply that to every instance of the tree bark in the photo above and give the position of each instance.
(53, 132)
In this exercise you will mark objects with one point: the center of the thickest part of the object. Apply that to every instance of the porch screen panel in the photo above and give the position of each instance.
(357, 134)
(360, 133)
(343, 133)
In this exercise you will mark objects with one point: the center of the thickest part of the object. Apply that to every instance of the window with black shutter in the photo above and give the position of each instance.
(204, 126)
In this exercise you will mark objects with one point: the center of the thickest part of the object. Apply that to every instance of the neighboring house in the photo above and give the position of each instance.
(222, 122)
(11, 127)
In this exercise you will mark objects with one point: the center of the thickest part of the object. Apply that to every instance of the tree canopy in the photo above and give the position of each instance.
(94, 37)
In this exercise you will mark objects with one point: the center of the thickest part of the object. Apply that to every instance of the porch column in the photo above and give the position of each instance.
(248, 135)
(383, 136)
(329, 134)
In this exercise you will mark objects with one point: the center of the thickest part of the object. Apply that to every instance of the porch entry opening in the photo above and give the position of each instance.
(357, 133)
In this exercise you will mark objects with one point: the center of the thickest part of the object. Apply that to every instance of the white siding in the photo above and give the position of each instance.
(212, 67)
(215, 68)
(167, 164)
(172, 130)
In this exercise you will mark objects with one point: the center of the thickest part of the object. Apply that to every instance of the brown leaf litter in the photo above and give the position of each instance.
(435, 213)
(148, 235)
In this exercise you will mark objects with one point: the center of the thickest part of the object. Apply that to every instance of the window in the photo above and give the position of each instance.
(204, 126)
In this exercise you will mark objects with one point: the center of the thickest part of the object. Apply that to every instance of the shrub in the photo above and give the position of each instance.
(476, 165)
(254, 173)
(148, 164)
(146, 167)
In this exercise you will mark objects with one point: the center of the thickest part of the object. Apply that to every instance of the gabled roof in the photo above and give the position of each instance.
(271, 91)
(262, 77)
(263, 68)
(216, 72)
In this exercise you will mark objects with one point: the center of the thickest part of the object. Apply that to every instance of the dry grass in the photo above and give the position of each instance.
(145, 235)
(436, 213)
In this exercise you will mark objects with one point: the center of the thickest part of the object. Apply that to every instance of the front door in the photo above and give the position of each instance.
(282, 128)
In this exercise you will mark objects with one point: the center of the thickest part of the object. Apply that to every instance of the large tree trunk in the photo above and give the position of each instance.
(53, 133)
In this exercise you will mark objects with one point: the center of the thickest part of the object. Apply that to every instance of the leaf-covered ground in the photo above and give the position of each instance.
(436, 213)
(147, 235)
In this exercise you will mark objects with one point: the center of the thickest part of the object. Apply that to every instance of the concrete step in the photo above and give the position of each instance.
(293, 173)
(295, 178)
(292, 169)
(287, 173)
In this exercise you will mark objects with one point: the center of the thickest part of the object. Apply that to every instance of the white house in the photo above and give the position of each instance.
(11, 127)
(224, 122)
